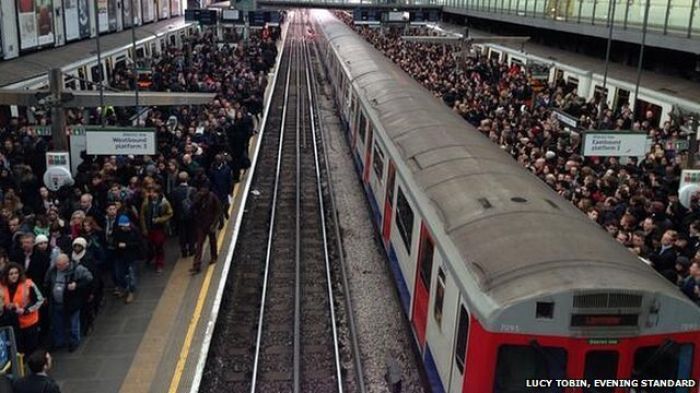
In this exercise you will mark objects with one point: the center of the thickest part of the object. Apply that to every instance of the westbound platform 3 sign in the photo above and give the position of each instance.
(120, 141)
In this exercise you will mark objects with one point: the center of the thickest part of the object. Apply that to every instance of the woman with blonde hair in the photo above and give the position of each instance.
(76, 223)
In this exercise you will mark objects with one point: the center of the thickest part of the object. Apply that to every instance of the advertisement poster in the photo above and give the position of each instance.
(112, 12)
(148, 11)
(126, 13)
(102, 15)
(27, 24)
(164, 9)
(44, 21)
(175, 7)
(70, 17)
(84, 18)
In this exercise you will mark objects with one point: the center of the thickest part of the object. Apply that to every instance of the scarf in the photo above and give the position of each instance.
(78, 256)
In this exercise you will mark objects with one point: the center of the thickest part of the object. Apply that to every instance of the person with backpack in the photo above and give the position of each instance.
(221, 178)
(182, 197)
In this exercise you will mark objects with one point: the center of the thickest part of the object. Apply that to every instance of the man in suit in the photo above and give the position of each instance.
(38, 381)
(664, 259)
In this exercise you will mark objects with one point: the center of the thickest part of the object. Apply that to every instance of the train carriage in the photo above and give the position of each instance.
(502, 280)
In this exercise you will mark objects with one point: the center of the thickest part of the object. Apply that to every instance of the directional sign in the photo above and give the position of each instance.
(120, 141)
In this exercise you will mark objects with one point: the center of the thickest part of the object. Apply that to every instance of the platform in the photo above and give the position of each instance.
(36, 64)
(158, 343)
(139, 347)
(675, 86)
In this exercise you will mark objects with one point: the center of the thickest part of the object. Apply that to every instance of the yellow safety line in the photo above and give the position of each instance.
(184, 353)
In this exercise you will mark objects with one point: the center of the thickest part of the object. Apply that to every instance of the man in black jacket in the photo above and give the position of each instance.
(38, 381)
(35, 263)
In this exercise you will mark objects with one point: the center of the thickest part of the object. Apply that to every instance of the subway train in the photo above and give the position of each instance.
(504, 282)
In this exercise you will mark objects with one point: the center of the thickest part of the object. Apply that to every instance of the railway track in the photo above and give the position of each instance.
(278, 330)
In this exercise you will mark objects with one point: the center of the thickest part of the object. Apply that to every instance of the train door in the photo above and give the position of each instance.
(368, 155)
(421, 294)
(388, 202)
(622, 97)
(644, 110)
(96, 74)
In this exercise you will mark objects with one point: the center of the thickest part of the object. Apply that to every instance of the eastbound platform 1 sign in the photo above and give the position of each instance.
(615, 143)
(120, 141)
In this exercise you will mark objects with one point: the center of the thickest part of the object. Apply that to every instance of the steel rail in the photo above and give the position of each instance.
(359, 373)
(273, 210)
(297, 255)
(319, 189)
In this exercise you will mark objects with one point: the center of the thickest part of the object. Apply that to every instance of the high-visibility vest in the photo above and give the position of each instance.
(21, 299)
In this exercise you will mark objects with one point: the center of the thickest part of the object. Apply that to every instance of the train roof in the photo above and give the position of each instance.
(518, 239)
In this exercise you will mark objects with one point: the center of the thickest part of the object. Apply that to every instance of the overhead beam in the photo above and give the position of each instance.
(432, 39)
(473, 40)
(22, 97)
(146, 98)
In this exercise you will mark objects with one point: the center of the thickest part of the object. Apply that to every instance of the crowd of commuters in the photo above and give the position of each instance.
(59, 251)
(635, 200)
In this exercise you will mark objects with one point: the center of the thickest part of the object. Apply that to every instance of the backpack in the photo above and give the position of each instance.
(186, 204)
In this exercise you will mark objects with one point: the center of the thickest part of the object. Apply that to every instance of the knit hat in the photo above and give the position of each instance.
(80, 241)
(41, 239)
(123, 221)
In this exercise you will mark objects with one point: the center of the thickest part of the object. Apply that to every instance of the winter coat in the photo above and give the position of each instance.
(72, 300)
(157, 219)
(207, 209)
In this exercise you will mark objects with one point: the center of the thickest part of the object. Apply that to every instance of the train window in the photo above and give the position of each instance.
(439, 297)
(404, 219)
(172, 40)
(425, 259)
(70, 82)
(462, 334)
(378, 162)
(600, 365)
(391, 177)
(667, 361)
(544, 310)
(363, 127)
(140, 53)
(518, 363)
(599, 92)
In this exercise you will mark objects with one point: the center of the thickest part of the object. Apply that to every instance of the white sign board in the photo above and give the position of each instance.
(618, 144)
(565, 118)
(121, 141)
